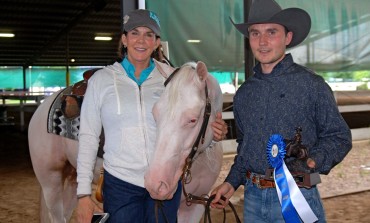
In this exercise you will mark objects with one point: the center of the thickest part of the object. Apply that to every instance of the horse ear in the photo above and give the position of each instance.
(202, 70)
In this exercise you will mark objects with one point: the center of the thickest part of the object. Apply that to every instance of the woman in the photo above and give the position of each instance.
(120, 98)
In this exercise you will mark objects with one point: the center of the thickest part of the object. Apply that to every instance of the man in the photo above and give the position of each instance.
(280, 98)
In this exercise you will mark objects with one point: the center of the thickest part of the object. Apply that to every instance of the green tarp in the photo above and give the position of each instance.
(338, 41)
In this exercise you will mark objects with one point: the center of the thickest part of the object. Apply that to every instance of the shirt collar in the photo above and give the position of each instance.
(130, 70)
(278, 70)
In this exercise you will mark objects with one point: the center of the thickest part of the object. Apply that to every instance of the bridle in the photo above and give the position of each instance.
(186, 175)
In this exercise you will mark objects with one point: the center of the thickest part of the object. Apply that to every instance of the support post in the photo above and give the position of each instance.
(249, 60)
(127, 6)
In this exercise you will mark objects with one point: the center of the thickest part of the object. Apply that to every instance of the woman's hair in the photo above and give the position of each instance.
(122, 51)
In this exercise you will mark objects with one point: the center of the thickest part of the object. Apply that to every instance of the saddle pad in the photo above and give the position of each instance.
(60, 125)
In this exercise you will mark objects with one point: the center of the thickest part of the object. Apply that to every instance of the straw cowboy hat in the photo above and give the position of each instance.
(295, 20)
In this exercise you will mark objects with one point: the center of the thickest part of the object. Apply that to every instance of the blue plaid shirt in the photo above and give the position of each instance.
(290, 96)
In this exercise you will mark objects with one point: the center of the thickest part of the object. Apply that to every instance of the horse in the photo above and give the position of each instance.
(180, 115)
(54, 157)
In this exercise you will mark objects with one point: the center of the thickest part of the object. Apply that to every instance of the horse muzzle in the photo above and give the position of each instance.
(159, 189)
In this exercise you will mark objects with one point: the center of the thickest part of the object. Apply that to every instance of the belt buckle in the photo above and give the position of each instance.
(257, 178)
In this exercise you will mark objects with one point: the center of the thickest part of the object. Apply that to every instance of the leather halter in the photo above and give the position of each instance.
(171, 76)
(189, 160)
(186, 175)
(203, 129)
(202, 132)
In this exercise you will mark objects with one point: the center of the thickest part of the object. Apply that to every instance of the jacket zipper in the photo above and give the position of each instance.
(143, 118)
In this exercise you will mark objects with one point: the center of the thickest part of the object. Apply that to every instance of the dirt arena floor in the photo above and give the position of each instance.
(19, 189)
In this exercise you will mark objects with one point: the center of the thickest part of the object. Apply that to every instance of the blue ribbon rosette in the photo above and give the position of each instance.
(294, 206)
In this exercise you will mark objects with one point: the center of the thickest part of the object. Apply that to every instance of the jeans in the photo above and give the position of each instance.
(263, 206)
(129, 203)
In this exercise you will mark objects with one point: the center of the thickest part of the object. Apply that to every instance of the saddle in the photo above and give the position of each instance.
(71, 103)
(65, 111)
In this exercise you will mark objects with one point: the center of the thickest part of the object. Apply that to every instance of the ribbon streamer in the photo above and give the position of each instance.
(294, 206)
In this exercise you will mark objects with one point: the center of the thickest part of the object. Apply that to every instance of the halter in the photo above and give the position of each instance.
(202, 131)
(186, 175)
(171, 76)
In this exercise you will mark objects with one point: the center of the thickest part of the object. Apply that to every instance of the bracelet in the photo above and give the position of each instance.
(83, 195)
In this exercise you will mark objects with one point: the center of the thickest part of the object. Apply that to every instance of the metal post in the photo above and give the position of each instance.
(249, 60)
(67, 61)
(24, 79)
(127, 6)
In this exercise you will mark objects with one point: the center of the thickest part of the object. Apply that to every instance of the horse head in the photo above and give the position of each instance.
(179, 115)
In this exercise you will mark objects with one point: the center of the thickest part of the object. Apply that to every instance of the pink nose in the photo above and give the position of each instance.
(159, 190)
(163, 190)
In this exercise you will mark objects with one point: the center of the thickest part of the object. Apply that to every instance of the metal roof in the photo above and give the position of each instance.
(51, 32)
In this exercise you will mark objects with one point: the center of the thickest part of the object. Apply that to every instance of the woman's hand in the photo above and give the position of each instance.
(219, 127)
(86, 207)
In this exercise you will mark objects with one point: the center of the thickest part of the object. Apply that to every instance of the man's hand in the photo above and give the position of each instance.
(303, 166)
(225, 190)
(219, 127)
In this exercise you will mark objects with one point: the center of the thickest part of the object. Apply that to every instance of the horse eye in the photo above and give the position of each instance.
(193, 120)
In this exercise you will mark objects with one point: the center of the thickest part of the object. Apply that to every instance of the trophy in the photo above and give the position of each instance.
(295, 148)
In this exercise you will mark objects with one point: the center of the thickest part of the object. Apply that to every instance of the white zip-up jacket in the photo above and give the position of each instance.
(124, 109)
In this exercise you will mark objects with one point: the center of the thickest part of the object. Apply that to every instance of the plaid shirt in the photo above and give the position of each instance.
(290, 96)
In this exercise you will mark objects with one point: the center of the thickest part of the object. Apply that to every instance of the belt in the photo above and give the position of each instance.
(306, 180)
(260, 181)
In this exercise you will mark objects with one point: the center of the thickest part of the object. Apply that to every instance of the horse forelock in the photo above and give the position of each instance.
(185, 75)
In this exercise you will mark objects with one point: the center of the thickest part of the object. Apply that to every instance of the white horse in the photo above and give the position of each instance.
(178, 114)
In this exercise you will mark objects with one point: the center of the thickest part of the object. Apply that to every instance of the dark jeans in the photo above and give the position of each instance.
(126, 202)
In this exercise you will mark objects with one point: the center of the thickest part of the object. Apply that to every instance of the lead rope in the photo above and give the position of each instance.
(159, 206)
(207, 212)
(190, 198)
(186, 177)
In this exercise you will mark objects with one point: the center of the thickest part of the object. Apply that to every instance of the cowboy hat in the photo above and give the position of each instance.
(295, 20)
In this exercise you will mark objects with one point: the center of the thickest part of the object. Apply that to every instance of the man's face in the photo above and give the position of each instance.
(268, 43)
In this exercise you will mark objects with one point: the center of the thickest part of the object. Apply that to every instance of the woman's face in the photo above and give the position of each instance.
(140, 42)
